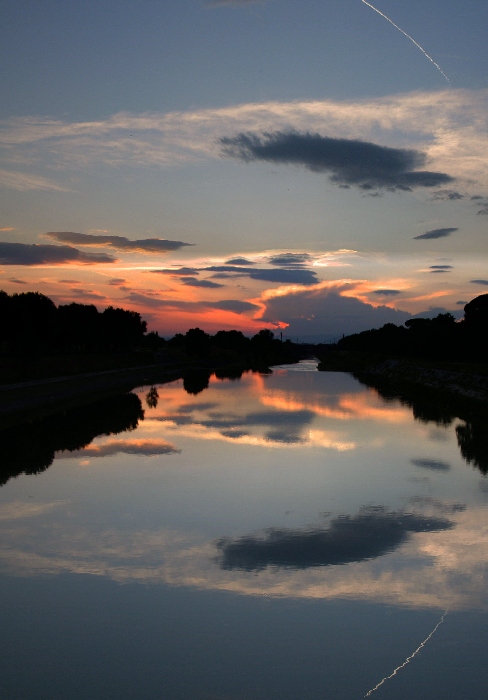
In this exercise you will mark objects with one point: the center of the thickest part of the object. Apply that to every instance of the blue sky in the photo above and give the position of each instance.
(129, 120)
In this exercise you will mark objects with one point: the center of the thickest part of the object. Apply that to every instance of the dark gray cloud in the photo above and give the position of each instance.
(239, 261)
(86, 294)
(476, 197)
(69, 281)
(234, 305)
(447, 195)
(443, 268)
(433, 464)
(319, 315)
(284, 426)
(145, 245)
(193, 282)
(484, 211)
(372, 533)
(177, 272)
(348, 162)
(135, 447)
(387, 292)
(462, 302)
(290, 259)
(16, 281)
(436, 233)
(279, 275)
(116, 281)
(440, 506)
(479, 282)
(35, 254)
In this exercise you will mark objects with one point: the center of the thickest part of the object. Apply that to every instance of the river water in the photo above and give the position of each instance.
(293, 535)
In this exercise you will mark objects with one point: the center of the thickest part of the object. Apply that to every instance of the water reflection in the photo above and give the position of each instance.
(250, 468)
(30, 448)
(430, 406)
(372, 533)
(263, 531)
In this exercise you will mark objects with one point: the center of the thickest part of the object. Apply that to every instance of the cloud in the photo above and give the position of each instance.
(372, 533)
(26, 254)
(130, 447)
(386, 292)
(462, 302)
(290, 259)
(436, 233)
(327, 311)
(239, 261)
(193, 282)
(234, 305)
(484, 211)
(116, 281)
(177, 272)
(23, 182)
(433, 464)
(282, 276)
(348, 161)
(145, 245)
(16, 281)
(7, 228)
(447, 195)
(449, 123)
(485, 282)
(444, 268)
(86, 294)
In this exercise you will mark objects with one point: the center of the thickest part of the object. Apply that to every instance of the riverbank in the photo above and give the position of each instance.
(20, 401)
(459, 379)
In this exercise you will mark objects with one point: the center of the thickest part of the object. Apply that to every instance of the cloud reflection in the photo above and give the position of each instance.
(372, 533)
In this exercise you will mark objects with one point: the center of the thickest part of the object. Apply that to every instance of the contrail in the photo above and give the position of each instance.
(408, 37)
(407, 661)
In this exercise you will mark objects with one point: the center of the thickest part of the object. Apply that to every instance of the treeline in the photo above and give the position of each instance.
(31, 325)
(439, 338)
(262, 349)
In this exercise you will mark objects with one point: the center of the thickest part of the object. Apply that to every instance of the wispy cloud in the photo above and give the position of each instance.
(347, 161)
(194, 282)
(25, 254)
(436, 233)
(23, 182)
(145, 245)
(233, 305)
(281, 275)
(448, 126)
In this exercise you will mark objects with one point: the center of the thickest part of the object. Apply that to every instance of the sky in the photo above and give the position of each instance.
(313, 167)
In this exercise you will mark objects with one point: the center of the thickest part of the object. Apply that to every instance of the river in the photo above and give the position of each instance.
(291, 535)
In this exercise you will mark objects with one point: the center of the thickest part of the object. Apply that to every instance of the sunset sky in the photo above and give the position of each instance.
(298, 165)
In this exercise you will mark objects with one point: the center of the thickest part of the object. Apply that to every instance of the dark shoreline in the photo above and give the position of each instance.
(459, 380)
(25, 400)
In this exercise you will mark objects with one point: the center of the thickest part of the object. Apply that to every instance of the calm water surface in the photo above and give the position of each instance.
(284, 536)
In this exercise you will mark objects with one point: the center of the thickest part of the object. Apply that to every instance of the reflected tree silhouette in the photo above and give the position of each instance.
(196, 381)
(431, 406)
(152, 397)
(30, 448)
(473, 444)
